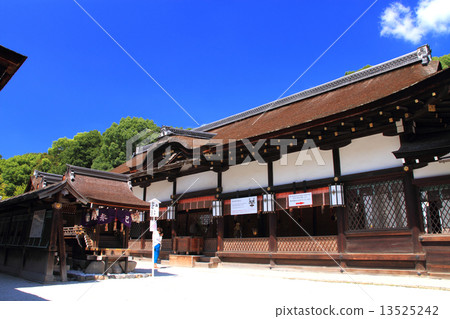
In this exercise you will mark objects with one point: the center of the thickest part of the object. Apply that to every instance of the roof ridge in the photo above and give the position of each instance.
(422, 54)
(96, 173)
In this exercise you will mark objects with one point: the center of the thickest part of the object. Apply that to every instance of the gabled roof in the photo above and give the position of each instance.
(88, 186)
(42, 179)
(339, 104)
(422, 54)
(10, 62)
(168, 130)
(35, 194)
(331, 103)
(102, 188)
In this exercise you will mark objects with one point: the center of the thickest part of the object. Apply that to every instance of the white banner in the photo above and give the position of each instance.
(246, 205)
(37, 224)
(303, 199)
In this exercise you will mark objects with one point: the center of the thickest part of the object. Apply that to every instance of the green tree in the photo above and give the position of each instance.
(114, 141)
(79, 151)
(16, 171)
(445, 60)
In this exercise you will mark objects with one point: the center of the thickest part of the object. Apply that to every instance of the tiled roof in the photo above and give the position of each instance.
(422, 54)
(102, 188)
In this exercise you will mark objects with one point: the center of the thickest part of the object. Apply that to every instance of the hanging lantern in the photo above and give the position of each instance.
(170, 213)
(217, 208)
(268, 203)
(336, 195)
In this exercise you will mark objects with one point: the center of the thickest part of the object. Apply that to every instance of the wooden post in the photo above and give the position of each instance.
(61, 243)
(173, 232)
(340, 220)
(220, 232)
(412, 210)
(127, 237)
(272, 232)
(143, 230)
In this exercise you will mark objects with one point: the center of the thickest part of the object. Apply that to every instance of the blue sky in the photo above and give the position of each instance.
(216, 58)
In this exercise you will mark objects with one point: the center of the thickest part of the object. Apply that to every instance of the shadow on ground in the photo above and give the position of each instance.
(10, 289)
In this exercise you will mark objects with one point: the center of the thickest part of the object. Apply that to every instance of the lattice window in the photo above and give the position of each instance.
(4, 227)
(307, 244)
(246, 244)
(136, 229)
(435, 203)
(44, 239)
(376, 206)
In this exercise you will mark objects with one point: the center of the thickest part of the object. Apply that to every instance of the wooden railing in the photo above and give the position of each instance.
(284, 244)
(166, 244)
(307, 244)
(246, 244)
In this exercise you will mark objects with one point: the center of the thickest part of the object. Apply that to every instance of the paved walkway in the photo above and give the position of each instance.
(227, 293)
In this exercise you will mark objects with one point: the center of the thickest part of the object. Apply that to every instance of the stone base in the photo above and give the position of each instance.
(95, 267)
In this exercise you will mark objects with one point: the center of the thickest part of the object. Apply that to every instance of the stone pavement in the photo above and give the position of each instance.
(227, 292)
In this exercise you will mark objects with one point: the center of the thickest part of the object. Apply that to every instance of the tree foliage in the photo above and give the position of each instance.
(15, 172)
(114, 141)
(80, 151)
(445, 60)
(88, 149)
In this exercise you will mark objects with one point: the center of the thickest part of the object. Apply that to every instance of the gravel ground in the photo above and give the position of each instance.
(226, 293)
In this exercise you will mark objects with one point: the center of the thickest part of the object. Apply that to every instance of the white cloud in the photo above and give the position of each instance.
(430, 16)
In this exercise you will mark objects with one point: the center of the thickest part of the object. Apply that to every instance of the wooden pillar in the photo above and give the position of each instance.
(412, 209)
(339, 211)
(61, 243)
(52, 246)
(272, 232)
(143, 228)
(340, 220)
(126, 238)
(220, 232)
(314, 216)
(270, 174)
(173, 231)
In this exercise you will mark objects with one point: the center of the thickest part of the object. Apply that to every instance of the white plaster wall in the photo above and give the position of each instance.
(197, 182)
(160, 190)
(138, 192)
(304, 165)
(240, 177)
(433, 169)
(369, 154)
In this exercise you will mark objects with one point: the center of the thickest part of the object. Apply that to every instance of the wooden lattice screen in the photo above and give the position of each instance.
(435, 203)
(376, 206)
(307, 244)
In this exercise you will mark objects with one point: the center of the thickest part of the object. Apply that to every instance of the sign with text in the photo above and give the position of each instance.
(38, 224)
(154, 207)
(246, 205)
(303, 199)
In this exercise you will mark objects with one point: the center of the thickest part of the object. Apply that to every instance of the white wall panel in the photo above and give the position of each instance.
(240, 177)
(138, 192)
(369, 154)
(160, 190)
(197, 182)
(432, 170)
(304, 165)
